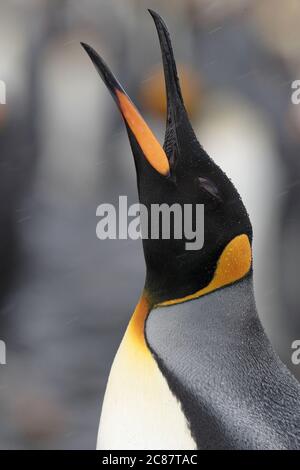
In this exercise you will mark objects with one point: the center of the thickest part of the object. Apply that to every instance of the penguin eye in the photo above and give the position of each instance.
(209, 187)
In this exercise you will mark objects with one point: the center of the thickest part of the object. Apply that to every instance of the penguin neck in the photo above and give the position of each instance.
(233, 265)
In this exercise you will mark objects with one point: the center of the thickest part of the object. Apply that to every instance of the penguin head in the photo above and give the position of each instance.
(181, 173)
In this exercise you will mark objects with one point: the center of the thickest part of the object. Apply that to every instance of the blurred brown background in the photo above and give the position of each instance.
(65, 296)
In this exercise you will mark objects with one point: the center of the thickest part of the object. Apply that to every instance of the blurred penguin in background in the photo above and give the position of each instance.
(284, 50)
(18, 138)
(72, 176)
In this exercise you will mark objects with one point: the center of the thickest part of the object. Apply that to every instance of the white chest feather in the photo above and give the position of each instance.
(139, 411)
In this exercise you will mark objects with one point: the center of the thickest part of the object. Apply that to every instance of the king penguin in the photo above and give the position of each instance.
(195, 369)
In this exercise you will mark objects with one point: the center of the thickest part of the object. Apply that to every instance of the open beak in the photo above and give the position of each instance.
(143, 135)
(179, 133)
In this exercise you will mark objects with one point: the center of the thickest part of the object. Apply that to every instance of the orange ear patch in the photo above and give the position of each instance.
(150, 146)
(233, 264)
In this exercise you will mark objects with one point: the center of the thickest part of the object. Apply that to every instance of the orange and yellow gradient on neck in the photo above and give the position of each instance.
(233, 264)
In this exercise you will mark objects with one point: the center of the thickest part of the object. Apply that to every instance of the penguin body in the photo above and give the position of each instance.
(234, 390)
(195, 368)
(132, 415)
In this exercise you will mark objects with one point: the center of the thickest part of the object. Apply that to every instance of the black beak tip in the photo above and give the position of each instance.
(157, 19)
(93, 55)
(109, 79)
(84, 45)
(154, 14)
(89, 50)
